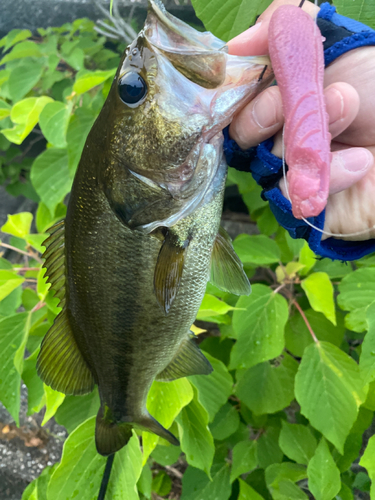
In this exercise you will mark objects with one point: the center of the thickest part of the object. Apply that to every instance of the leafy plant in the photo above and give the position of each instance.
(283, 414)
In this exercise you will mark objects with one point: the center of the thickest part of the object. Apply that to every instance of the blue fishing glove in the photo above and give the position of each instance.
(342, 35)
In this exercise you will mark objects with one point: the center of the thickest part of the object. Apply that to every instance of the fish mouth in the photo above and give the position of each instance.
(220, 84)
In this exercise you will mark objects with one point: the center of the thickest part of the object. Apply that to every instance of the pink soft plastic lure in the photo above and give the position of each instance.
(296, 52)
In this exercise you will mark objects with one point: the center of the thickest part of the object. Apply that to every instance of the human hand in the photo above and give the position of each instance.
(351, 108)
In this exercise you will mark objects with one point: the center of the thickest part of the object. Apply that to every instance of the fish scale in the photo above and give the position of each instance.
(142, 234)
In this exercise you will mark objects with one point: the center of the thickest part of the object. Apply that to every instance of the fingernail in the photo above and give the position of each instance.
(264, 111)
(246, 35)
(334, 105)
(355, 159)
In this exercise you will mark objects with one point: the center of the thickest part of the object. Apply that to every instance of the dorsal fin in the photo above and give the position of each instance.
(226, 268)
(54, 263)
(60, 362)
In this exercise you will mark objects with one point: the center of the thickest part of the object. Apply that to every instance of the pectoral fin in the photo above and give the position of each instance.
(60, 362)
(189, 360)
(226, 268)
(168, 270)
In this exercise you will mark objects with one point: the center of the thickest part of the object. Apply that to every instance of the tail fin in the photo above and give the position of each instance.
(148, 423)
(109, 436)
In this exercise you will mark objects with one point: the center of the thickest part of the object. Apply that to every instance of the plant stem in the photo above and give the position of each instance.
(299, 308)
(15, 249)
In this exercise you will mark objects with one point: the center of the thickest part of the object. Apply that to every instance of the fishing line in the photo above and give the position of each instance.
(328, 233)
(105, 478)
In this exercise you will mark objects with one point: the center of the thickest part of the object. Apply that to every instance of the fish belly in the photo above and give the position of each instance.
(122, 332)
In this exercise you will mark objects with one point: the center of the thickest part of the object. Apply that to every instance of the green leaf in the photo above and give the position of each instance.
(53, 400)
(268, 388)
(368, 461)
(259, 249)
(319, 291)
(161, 484)
(367, 359)
(13, 331)
(298, 337)
(244, 458)
(53, 121)
(18, 225)
(22, 50)
(13, 37)
(307, 258)
(323, 475)
(37, 489)
(35, 390)
(247, 492)
(229, 19)
(9, 281)
(11, 303)
(91, 79)
(345, 493)
(356, 320)
(81, 461)
(23, 78)
(297, 442)
(196, 440)
(25, 114)
(357, 289)
(360, 10)
(78, 129)
(352, 448)
(334, 268)
(76, 409)
(166, 455)
(145, 481)
(212, 306)
(5, 109)
(280, 479)
(259, 328)
(269, 451)
(165, 400)
(197, 486)
(50, 177)
(214, 389)
(225, 423)
(329, 389)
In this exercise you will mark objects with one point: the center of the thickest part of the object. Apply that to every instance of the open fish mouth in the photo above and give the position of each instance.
(210, 83)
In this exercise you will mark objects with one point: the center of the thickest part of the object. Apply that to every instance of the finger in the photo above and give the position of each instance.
(353, 210)
(342, 104)
(308, 7)
(259, 120)
(348, 167)
(254, 41)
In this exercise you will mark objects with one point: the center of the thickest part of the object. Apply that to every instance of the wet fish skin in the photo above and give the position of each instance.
(141, 225)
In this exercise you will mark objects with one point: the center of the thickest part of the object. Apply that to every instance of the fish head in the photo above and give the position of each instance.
(175, 90)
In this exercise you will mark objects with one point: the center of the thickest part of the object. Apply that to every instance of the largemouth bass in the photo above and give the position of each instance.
(141, 238)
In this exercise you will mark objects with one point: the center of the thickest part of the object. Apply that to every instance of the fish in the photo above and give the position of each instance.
(300, 74)
(142, 237)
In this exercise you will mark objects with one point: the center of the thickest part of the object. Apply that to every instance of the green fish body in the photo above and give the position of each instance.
(142, 233)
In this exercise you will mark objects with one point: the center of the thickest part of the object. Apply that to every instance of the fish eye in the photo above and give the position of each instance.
(132, 88)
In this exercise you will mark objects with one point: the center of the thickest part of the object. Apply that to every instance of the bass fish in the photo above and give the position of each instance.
(141, 237)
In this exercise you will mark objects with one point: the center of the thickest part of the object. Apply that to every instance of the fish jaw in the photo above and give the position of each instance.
(166, 150)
